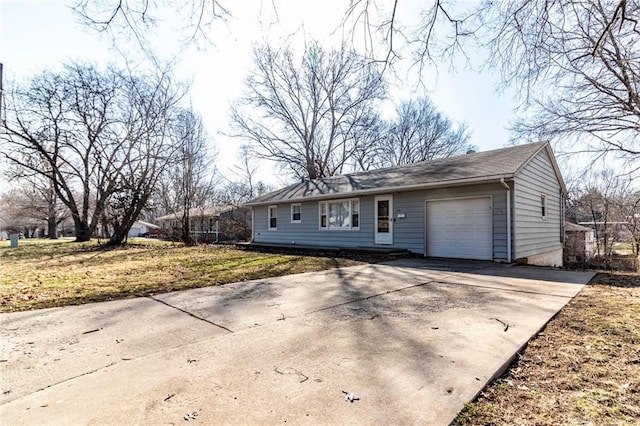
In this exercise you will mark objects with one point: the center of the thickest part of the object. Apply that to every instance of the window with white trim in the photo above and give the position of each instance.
(296, 213)
(340, 214)
(355, 214)
(543, 205)
(273, 217)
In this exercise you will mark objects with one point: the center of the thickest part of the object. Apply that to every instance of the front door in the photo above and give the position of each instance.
(384, 219)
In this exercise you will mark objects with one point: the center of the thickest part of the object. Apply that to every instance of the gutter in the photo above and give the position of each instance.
(508, 188)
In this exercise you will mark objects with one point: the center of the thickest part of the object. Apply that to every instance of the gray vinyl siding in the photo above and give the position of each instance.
(408, 232)
(308, 231)
(533, 234)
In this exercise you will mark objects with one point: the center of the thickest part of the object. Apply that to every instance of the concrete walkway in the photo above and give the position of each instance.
(413, 339)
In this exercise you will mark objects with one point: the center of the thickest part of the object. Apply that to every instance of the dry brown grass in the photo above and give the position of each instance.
(583, 369)
(43, 273)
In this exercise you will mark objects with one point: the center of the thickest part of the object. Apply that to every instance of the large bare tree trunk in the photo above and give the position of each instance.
(83, 232)
(101, 136)
(52, 223)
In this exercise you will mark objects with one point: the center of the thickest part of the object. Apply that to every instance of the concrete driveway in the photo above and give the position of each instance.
(413, 339)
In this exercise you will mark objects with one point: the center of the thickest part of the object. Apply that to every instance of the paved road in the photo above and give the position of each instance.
(413, 339)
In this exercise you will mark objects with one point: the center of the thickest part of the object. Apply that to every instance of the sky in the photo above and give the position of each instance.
(35, 35)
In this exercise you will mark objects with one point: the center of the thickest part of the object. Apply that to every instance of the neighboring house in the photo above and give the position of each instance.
(211, 224)
(501, 205)
(141, 229)
(580, 243)
(614, 231)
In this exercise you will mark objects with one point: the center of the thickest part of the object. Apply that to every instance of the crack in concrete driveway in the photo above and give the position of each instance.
(414, 339)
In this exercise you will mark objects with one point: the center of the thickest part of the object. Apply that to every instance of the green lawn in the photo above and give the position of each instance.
(44, 273)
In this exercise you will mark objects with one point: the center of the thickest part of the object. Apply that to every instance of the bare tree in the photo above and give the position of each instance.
(601, 201)
(37, 125)
(244, 187)
(152, 148)
(433, 31)
(102, 135)
(24, 211)
(369, 135)
(303, 110)
(44, 205)
(39, 193)
(629, 207)
(189, 183)
(587, 52)
(238, 191)
(575, 63)
(419, 133)
(134, 18)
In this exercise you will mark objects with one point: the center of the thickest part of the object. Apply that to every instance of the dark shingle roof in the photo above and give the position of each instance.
(472, 167)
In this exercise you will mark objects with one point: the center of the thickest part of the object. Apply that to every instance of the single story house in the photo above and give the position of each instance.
(503, 205)
(211, 224)
(609, 232)
(141, 228)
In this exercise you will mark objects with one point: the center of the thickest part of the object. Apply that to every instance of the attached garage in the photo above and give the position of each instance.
(460, 228)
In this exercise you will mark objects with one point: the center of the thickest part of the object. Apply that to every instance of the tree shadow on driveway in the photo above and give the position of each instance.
(413, 343)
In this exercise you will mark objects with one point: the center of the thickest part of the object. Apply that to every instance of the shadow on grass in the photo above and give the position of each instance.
(98, 255)
(616, 280)
(173, 273)
(68, 249)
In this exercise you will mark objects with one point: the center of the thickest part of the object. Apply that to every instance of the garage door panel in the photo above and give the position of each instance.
(460, 228)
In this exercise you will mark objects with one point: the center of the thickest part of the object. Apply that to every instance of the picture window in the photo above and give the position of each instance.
(340, 214)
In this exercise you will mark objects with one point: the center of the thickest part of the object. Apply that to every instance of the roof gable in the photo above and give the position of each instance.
(468, 168)
(554, 165)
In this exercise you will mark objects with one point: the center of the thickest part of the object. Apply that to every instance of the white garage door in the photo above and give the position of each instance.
(460, 228)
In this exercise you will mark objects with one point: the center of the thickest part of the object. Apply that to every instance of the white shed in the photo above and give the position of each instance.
(141, 229)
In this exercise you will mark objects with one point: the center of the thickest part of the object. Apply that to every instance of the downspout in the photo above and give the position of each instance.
(253, 224)
(508, 218)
